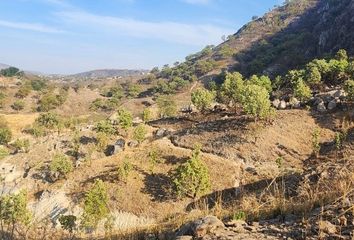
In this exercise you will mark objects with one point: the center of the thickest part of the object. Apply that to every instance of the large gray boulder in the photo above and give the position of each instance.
(332, 104)
(321, 107)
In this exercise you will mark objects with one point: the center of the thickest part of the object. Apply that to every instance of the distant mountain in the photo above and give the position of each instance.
(104, 73)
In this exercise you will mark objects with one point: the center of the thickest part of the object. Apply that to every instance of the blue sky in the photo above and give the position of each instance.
(63, 36)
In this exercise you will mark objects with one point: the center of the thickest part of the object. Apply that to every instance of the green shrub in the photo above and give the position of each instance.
(202, 99)
(5, 132)
(36, 130)
(226, 51)
(192, 178)
(133, 90)
(21, 145)
(48, 120)
(24, 91)
(18, 105)
(302, 91)
(313, 76)
(106, 127)
(124, 169)
(316, 141)
(147, 115)
(349, 88)
(125, 118)
(167, 106)
(101, 141)
(255, 101)
(38, 85)
(61, 164)
(140, 133)
(154, 158)
(2, 99)
(49, 102)
(68, 223)
(4, 152)
(95, 205)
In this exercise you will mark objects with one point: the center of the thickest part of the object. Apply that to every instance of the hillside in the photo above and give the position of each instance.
(185, 152)
(105, 73)
(288, 37)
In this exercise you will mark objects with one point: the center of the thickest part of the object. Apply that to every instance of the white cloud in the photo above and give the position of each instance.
(30, 26)
(191, 34)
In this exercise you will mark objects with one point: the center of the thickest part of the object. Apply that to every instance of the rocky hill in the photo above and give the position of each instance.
(289, 36)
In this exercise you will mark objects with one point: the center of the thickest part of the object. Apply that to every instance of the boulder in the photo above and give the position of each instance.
(133, 144)
(332, 105)
(282, 104)
(116, 148)
(201, 227)
(295, 103)
(161, 132)
(137, 121)
(321, 107)
(276, 103)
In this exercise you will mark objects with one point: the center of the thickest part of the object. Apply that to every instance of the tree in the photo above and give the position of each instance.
(95, 205)
(10, 72)
(302, 91)
(13, 214)
(263, 81)
(341, 55)
(68, 223)
(139, 133)
(61, 164)
(133, 90)
(232, 87)
(313, 76)
(125, 118)
(349, 88)
(202, 98)
(192, 178)
(167, 106)
(255, 101)
(24, 91)
(5, 132)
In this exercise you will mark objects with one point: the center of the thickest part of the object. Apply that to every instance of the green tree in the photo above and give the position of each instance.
(61, 164)
(232, 87)
(202, 99)
(302, 91)
(192, 178)
(341, 55)
(125, 118)
(262, 81)
(133, 90)
(10, 72)
(255, 101)
(167, 106)
(14, 214)
(226, 51)
(140, 133)
(313, 76)
(95, 205)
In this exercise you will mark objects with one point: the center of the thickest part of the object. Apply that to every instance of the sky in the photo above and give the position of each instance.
(71, 36)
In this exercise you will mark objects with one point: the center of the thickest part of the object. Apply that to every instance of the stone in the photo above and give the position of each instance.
(282, 104)
(161, 132)
(321, 107)
(133, 144)
(116, 148)
(276, 103)
(332, 105)
(137, 121)
(295, 103)
(207, 225)
(327, 227)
